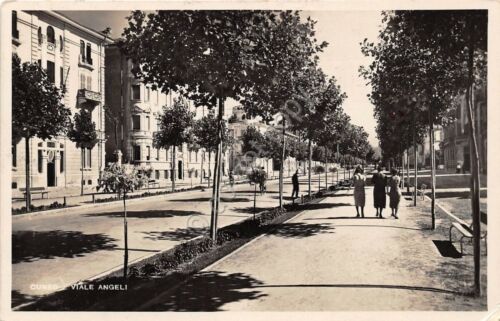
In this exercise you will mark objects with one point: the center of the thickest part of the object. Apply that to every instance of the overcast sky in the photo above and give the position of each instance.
(343, 30)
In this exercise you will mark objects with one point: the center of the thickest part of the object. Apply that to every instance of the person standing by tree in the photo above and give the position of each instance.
(379, 197)
(295, 183)
(394, 193)
(358, 181)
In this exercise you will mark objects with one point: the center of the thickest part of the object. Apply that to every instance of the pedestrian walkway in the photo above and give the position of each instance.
(325, 259)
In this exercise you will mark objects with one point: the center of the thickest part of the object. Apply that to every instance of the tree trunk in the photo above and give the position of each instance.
(217, 170)
(254, 198)
(201, 167)
(310, 168)
(415, 154)
(282, 163)
(209, 174)
(475, 178)
(83, 164)
(326, 169)
(173, 169)
(433, 168)
(408, 171)
(125, 234)
(28, 174)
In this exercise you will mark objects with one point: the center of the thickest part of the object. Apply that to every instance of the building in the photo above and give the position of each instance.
(424, 151)
(133, 110)
(73, 56)
(456, 141)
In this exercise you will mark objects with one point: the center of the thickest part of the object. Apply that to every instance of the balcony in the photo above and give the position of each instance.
(88, 97)
(85, 62)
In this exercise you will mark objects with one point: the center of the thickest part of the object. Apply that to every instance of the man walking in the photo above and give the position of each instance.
(295, 183)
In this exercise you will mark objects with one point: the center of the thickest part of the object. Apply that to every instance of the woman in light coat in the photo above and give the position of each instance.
(358, 181)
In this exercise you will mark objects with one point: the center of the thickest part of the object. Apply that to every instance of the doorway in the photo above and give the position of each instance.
(51, 174)
(180, 169)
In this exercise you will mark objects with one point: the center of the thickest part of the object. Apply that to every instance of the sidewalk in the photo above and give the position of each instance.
(325, 259)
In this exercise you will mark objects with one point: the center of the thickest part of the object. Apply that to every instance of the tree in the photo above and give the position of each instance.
(205, 131)
(208, 56)
(83, 133)
(176, 123)
(256, 176)
(37, 109)
(123, 180)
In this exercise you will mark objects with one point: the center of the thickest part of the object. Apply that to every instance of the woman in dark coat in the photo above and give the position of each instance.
(379, 197)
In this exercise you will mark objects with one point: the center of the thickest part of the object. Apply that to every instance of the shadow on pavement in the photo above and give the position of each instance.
(447, 249)
(366, 286)
(249, 192)
(460, 195)
(208, 199)
(28, 246)
(354, 217)
(178, 234)
(19, 298)
(147, 214)
(298, 230)
(388, 226)
(209, 291)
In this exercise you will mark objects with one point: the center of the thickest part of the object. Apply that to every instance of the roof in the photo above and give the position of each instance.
(78, 25)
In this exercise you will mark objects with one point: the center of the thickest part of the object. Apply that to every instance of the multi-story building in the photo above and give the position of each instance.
(73, 57)
(456, 142)
(133, 110)
(424, 150)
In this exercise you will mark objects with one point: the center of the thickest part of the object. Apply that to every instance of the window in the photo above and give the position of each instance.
(61, 162)
(136, 122)
(82, 50)
(136, 92)
(40, 155)
(39, 33)
(82, 81)
(14, 155)
(89, 54)
(157, 174)
(89, 83)
(148, 122)
(51, 71)
(15, 32)
(137, 152)
(87, 158)
(51, 38)
(157, 154)
(165, 174)
(148, 94)
(148, 155)
(61, 43)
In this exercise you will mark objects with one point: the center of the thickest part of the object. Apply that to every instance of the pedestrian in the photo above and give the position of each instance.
(231, 178)
(394, 193)
(295, 184)
(358, 181)
(459, 167)
(379, 195)
(262, 181)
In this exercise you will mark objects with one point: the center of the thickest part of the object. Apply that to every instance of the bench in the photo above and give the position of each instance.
(153, 182)
(467, 232)
(35, 190)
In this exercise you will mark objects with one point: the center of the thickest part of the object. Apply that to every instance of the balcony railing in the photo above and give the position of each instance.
(86, 96)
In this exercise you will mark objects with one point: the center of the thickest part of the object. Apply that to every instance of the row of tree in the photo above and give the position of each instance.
(424, 62)
(266, 60)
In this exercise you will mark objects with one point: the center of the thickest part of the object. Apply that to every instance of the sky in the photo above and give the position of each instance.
(343, 30)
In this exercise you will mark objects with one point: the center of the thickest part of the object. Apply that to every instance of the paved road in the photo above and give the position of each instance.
(325, 259)
(51, 251)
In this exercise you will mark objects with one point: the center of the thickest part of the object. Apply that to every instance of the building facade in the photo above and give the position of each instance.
(456, 141)
(132, 118)
(73, 57)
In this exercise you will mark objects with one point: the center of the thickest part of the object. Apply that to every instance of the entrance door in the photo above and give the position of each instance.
(51, 174)
(466, 166)
(180, 169)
